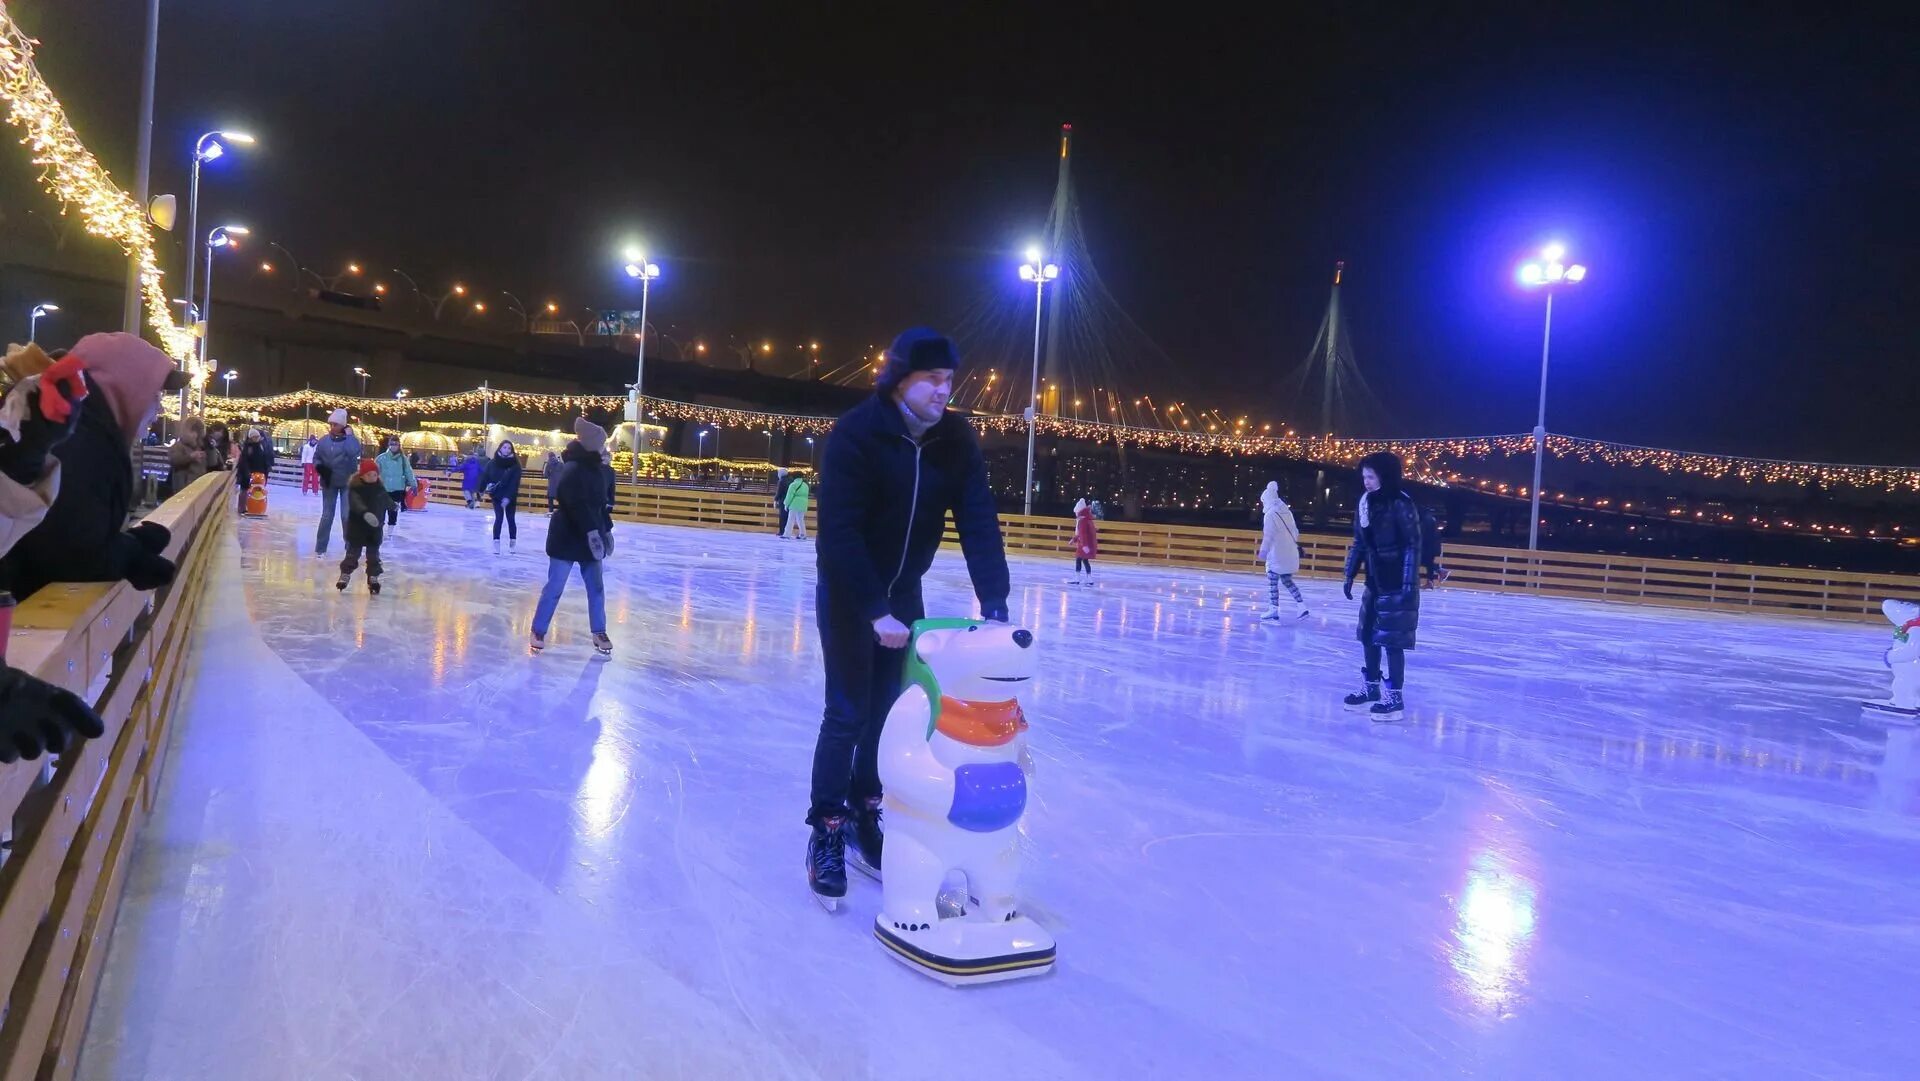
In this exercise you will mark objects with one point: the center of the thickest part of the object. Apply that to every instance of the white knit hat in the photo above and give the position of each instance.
(338, 416)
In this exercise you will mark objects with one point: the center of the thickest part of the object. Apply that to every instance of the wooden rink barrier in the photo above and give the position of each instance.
(1619, 579)
(72, 826)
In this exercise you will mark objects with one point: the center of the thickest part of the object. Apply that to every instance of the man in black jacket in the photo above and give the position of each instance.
(895, 465)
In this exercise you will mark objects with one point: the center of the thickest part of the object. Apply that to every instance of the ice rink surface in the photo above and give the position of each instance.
(1607, 842)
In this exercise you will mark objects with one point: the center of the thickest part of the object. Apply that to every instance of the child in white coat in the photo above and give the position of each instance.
(1280, 547)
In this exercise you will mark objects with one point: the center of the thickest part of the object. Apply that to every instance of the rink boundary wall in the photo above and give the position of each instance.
(1615, 579)
(73, 821)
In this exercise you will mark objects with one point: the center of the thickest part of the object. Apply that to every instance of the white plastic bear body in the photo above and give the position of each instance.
(1903, 659)
(954, 766)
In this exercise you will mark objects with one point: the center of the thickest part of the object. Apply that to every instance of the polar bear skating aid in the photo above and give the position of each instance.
(1904, 661)
(954, 766)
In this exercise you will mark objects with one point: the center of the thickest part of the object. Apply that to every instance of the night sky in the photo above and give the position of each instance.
(1742, 185)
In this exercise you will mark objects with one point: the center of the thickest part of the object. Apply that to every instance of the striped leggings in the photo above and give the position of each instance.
(1274, 581)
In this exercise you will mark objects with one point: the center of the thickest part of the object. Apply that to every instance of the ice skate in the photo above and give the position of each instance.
(1366, 696)
(496, 546)
(827, 862)
(1389, 709)
(1073, 581)
(373, 584)
(868, 838)
(602, 644)
(341, 585)
(536, 641)
(1271, 615)
(513, 543)
(1302, 613)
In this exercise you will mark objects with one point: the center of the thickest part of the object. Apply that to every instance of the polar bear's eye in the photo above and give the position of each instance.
(970, 630)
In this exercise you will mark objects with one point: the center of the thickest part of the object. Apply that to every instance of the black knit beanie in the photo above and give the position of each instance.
(920, 349)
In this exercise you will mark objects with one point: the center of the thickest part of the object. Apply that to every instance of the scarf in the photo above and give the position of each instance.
(982, 724)
(1365, 518)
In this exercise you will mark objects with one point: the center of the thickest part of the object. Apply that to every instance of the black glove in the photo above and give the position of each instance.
(148, 571)
(37, 717)
(152, 536)
(49, 421)
(1346, 587)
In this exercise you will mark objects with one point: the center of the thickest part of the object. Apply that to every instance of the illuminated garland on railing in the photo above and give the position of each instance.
(1427, 459)
(71, 174)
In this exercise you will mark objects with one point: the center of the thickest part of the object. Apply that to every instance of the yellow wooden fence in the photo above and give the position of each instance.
(73, 824)
(1672, 583)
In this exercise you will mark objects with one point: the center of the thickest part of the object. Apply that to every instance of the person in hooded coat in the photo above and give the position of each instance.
(1280, 547)
(83, 537)
(41, 410)
(1086, 543)
(187, 457)
(1386, 544)
(550, 472)
(580, 535)
(470, 470)
(799, 495)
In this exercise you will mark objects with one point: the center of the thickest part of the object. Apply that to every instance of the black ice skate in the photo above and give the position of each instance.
(1367, 696)
(373, 584)
(868, 837)
(341, 585)
(827, 862)
(1392, 709)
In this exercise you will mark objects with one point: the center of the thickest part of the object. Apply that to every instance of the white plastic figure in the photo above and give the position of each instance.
(1904, 660)
(954, 763)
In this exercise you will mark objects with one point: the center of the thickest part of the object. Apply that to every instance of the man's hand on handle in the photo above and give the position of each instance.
(891, 633)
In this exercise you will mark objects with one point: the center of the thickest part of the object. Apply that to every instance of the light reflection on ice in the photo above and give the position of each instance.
(1493, 933)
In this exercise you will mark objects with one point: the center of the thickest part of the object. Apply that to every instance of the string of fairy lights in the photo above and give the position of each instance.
(75, 178)
(1437, 460)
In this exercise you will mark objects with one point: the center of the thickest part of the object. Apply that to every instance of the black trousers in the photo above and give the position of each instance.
(782, 531)
(505, 507)
(1396, 665)
(399, 504)
(863, 679)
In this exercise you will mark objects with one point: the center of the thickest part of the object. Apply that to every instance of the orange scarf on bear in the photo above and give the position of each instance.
(982, 724)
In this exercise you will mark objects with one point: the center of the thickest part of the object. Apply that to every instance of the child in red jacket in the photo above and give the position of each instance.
(1086, 544)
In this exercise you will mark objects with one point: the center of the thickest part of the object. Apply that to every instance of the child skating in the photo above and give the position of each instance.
(1280, 547)
(1086, 544)
(367, 507)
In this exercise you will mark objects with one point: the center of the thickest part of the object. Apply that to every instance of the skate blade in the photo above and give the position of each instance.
(859, 863)
(1385, 718)
(831, 904)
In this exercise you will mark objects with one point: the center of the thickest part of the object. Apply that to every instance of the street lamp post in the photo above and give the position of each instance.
(638, 267)
(519, 309)
(809, 452)
(219, 237)
(1039, 273)
(768, 432)
(228, 379)
(208, 147)
(1549, 273)
(363, 374)
(704, 433)
(33, 317)
(458, 290)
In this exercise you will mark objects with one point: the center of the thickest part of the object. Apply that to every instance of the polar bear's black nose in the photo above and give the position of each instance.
(1023, 638)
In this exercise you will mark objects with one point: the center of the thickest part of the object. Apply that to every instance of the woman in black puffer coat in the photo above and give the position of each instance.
(1386, 542)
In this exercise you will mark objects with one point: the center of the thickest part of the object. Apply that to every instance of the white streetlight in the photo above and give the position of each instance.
(363, 374)
(219, 237)
(1549, 273)
(1039, 273)
(33, 317)
(228, 377)
(638, 267)
(402, 394)
(704, 433)
(209, 147)
(809, 452)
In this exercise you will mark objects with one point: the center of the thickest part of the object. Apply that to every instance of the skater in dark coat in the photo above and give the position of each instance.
(1386, 542)
(368, 504)
(502, 485)
(895, 466)
(580, 534)
(256, 456)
